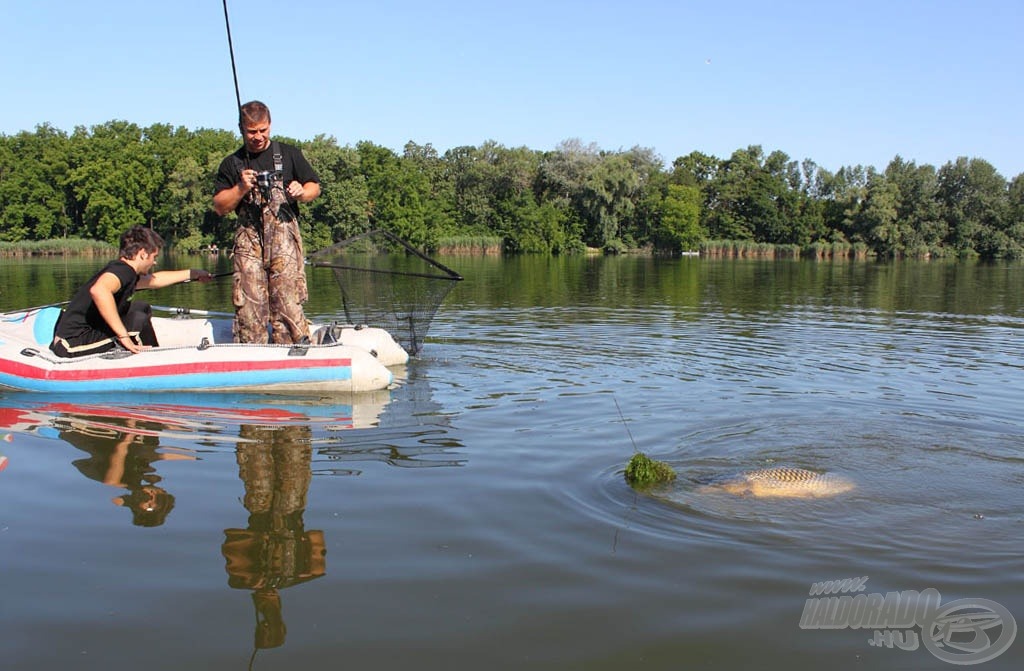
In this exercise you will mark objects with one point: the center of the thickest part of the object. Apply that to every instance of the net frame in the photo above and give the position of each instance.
(401, 301)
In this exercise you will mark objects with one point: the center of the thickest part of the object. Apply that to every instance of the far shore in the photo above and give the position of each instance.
(488, 246)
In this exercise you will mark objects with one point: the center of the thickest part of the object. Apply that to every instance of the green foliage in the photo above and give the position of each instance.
(643, 472)
(342, 210)
(97, 182)
(680, 229)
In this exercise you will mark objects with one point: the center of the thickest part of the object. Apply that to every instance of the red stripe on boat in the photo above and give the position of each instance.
(166, 370)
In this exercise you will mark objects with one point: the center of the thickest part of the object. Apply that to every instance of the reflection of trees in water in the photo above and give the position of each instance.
(274, 551)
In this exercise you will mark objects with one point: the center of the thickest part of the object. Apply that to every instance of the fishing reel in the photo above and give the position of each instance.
(264, 181)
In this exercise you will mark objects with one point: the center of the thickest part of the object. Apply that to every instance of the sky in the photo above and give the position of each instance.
(839, 83)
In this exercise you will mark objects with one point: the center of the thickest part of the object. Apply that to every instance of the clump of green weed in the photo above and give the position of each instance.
(643, 472)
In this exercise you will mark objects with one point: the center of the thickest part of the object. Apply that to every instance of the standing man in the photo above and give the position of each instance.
(102, 315)
(263, 182)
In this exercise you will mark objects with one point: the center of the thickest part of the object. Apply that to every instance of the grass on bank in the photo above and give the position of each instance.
(739, 249)
(471, 244)
(56, 247)
(492, 244)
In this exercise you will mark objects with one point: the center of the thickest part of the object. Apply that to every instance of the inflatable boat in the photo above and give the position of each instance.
(196, 353)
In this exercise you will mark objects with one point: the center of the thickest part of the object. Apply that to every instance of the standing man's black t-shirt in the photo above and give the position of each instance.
(294, 166)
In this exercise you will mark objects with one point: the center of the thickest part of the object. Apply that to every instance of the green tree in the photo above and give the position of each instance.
(468, 173)
(32, 173)
(917, 209)
(975, 206)
(439, 194)
(843, 194)
(114, 179)
(881, 226)
(399, 195)
(680, 228)
(342, 210)
(746, 197)
(608, 199)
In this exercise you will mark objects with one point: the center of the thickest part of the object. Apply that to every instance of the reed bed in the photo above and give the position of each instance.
(56, 247)
(747, 249)
(740, 249)
(837, 250)
(471, 244)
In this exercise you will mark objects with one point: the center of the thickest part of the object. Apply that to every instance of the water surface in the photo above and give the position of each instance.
(476, 515)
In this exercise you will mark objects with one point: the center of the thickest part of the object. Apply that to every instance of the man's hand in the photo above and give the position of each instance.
(129, 344)
(295, 190)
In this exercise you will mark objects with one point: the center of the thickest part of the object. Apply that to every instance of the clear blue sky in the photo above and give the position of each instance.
(839, 83)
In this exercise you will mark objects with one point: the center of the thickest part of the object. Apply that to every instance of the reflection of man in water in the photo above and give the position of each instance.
(275, 551)
(122, 456)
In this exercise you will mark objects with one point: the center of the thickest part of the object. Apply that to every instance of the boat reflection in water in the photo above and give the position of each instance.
(125, 437)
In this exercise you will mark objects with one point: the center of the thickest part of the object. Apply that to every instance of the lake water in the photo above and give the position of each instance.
(476, 516)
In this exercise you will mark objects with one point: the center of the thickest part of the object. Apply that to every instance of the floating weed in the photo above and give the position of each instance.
(643, 472)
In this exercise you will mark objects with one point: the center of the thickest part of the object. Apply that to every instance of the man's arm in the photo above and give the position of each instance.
(165, 278)
(226, 200)
(102, 293)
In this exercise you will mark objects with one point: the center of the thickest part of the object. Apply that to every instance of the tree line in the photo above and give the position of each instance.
(94, 183)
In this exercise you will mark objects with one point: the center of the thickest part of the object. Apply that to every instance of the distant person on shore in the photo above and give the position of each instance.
(102, 315)
(263, 182)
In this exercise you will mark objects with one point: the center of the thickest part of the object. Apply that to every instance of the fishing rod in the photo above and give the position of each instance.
(231, 50)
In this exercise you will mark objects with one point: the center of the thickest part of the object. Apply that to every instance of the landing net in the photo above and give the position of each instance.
(387, 283)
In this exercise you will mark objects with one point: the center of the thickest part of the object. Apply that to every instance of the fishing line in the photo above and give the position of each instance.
(624, 424)
(231, 50)
(636, 495)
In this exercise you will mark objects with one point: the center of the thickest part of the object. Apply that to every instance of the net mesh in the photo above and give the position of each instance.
(387, 283)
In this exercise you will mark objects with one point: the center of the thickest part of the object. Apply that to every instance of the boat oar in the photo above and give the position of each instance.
(38, 307)
(190, 311)
(63, 303)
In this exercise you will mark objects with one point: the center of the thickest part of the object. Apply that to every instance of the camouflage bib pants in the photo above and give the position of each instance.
(270, 280)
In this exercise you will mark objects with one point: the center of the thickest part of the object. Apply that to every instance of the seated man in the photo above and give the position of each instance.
(101, 314)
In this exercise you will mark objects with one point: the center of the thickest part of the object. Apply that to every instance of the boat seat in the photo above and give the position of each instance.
(45, 321)
(171, 332)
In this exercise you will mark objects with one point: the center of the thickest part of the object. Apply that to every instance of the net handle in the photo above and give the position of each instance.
(387, 272)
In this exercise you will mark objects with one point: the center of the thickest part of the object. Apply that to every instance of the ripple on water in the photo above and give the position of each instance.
(916, 485)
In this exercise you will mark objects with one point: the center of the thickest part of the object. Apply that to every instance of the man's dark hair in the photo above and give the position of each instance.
(138, 238)
(253, 112)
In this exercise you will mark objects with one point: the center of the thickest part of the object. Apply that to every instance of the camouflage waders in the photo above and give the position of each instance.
(270, 281)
